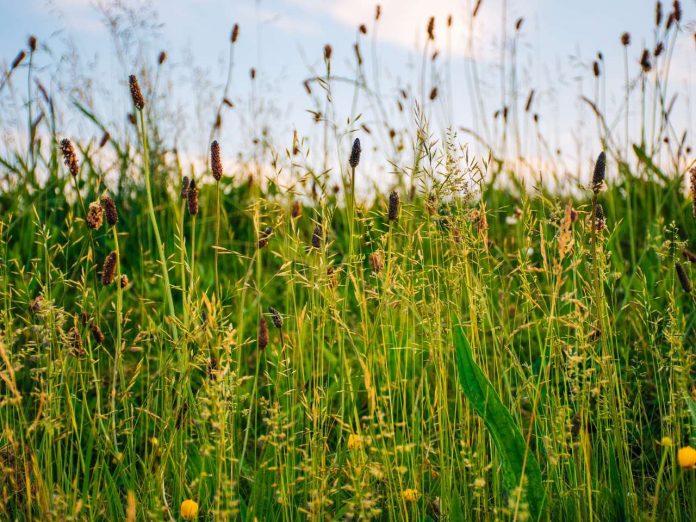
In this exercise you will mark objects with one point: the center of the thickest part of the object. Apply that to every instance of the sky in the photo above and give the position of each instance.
(283, 40)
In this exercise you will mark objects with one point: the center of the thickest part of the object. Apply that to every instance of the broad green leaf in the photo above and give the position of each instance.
(516, 459)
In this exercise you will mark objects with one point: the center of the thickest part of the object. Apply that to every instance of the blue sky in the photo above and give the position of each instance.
(283, 40)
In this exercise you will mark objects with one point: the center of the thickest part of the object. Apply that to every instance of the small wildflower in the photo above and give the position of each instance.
(410, 495)
(189, 509)
(666, 442)
(686, 457)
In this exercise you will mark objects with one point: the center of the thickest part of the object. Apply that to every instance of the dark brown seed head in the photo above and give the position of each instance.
(692, 176)
(296, 209)
(192, 197)
(600, 221)
(18, 59)
(393, 205)
(36, 304)
(658, 49)
(215, 161)
(95, 215)
(626, 39)
(433, 94)
(234, 36)
(109, 269)
(262, 339)
(683, 278)
(599, 172)
(136, 93)
(518, 24)
(431, 28)
(69, 156)
(362, 29)
(378, 12)
(327, 52)
(595, 68)
(162, 57)
(185, 182)
(645, 61)
(264, 237)
(449, 20)
(355, 153)
(97, 333)
(317, 236)
(32, 43)
(124, 281)
(104, 139)
(276, 318)
(252, 73)
(110, 209)
(689, 256)
(677, 11)
(658, 13)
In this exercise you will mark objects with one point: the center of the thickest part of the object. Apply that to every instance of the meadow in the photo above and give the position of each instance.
(183, 343)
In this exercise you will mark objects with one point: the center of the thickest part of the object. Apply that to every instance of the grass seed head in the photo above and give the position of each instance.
(18, 60)
(393, 205)
(192, 198)
(317, 236)
(110, 210)
(75, 342)
(264, 236)
(692, 179)
(276, 318)
(355, 153)
(683, 278)
(626, 39)
(95, 215)
(97, 333)
(431, 28)
(296, 209)
(215, 161)
(109, 268)
(600, 171)
(69, 156)
(234, 36)
(262, 338)
(124, 281)
(136, 93)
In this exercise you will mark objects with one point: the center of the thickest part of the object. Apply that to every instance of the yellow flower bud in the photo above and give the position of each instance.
(189, 509)
(686, 457)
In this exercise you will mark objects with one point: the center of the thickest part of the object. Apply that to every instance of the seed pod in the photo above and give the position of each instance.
(95, 215)
(296, 209)
(276, 317)
(69, 156)
(97, 333)
(110, 210)
(109, 269)
(124, 281)
(215, 162)
(692, 173)
(192, 197)
(599, 172)
(262, 339)
(683, 278)
(136, 93)
(355, 153)
(393, 205)
(317, 236)
(264, 236)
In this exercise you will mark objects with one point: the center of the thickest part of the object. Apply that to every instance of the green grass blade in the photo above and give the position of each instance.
(515, 457)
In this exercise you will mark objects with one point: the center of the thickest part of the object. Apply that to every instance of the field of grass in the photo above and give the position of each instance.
(230, 347)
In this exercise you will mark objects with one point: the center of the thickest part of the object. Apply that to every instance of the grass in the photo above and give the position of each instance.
(477, 351)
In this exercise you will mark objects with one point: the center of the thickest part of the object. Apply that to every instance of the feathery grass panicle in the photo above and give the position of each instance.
(215, 161)
(354, 159)
(136, 93)
(192, 198)
(599, 172)
(69, 156)
(110, 209)
(393, 213)
(376, 261)
(109, 268)
(683, 278)
(95, 215)
(262, 337)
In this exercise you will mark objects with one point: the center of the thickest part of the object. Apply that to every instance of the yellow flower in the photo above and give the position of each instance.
(355, 441)
(666, 442)
(686, 457)
(189, 509)
(410, 495)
